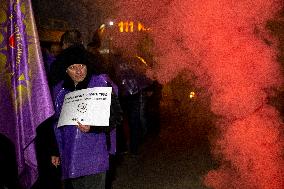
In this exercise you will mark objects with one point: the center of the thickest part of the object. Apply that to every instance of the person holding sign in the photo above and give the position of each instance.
(84, 148)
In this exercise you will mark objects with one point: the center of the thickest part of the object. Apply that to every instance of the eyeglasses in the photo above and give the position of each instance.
(76, 67)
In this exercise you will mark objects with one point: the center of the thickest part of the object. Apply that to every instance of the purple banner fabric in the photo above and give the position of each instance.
(25, 100)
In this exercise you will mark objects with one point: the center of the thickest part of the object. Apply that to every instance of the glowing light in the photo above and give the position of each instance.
(111, 23)
(120, 26)
(141, 27)
(192, 95)
(131, 26)
(142, 60)
(102, 26)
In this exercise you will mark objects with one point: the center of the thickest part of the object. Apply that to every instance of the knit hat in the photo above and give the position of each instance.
(74, 55)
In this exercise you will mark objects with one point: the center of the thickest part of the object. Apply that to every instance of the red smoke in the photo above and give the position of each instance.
(222, 43)
(251, 153)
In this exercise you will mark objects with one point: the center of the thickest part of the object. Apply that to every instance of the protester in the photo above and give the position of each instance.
(131, 84)
(84, 151)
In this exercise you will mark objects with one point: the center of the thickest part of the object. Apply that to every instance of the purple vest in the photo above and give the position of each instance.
(83, 153)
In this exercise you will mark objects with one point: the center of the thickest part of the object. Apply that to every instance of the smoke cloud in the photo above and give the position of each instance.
(223, 43)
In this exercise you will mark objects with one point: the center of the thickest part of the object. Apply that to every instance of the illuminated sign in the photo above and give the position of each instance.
(131, 27)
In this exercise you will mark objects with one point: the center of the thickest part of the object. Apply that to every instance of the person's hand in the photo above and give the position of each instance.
(83, 128)
(55, 160)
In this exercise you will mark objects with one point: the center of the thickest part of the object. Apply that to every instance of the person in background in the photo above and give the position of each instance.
(102, 54)
(84, 150)
(126, 72)
(94, 47)
(100, 46)
(131, 84)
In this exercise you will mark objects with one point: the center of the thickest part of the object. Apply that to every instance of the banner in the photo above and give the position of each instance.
(25, 100)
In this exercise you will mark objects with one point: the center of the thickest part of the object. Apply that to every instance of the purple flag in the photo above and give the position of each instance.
(25, 100)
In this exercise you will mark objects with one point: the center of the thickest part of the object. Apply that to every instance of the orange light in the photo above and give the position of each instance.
(120, 25)
(142, 60)
(131, 27)
(192, 95)
(140, 27)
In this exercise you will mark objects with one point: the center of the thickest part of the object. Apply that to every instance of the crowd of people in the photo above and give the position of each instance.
(81, 156)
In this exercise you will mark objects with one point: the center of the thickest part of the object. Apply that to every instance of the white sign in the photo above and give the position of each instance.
(88, 106)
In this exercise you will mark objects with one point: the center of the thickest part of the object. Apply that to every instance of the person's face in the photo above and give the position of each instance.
(77, 72)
